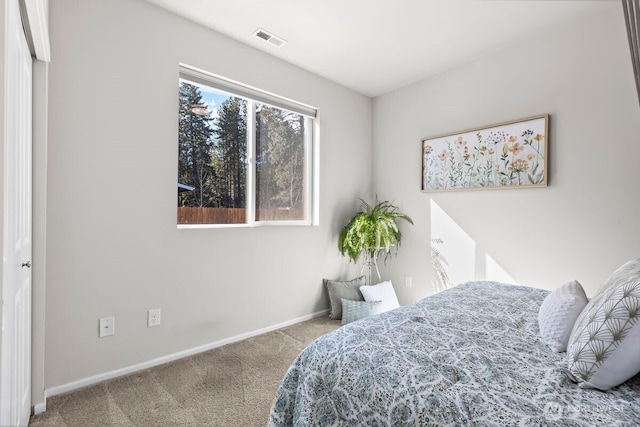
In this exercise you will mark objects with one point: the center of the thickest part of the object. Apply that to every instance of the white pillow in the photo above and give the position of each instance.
(559, 312)
(604, 348)
(381, 292)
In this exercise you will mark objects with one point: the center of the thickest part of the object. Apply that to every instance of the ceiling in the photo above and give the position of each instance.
(376, 46)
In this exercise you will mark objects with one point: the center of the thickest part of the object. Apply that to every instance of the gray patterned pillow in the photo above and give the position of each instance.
(356, 310)
(604, 348)
(343, 289)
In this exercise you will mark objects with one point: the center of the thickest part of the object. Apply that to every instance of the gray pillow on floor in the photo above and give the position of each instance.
(343, 289)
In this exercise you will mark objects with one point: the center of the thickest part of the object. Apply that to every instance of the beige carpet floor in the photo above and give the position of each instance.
(229, 386)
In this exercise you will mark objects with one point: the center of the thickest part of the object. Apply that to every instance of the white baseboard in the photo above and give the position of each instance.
(40, 408)
(65, 388)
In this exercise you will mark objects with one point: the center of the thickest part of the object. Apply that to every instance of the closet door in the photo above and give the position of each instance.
(15, 361)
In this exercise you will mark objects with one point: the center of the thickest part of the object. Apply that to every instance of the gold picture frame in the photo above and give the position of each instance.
(505, 155)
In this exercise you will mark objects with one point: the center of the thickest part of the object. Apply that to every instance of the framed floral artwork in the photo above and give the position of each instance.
(505, 155)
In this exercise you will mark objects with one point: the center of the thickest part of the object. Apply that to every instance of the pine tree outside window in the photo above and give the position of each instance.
(245, 157)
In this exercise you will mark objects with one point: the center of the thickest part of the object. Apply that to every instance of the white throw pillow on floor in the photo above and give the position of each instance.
(381, 292)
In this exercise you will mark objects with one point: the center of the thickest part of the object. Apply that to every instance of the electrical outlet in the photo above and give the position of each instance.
(153, 317)
(106, 327)
(408, 281)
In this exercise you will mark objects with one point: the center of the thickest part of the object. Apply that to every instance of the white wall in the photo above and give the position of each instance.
(585, 223)
(112, 244)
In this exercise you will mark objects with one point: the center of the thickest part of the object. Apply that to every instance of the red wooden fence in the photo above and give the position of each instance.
(233, 215)
(211, 215)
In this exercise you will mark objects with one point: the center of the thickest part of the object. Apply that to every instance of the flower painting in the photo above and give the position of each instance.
(512, 154)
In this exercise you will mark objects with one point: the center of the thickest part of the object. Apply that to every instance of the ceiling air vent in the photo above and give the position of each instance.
(269, 38)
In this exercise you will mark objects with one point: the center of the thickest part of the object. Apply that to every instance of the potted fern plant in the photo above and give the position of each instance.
(372, 231)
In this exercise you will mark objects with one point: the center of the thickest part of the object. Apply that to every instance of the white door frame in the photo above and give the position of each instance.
(35, 16)
(15, 318)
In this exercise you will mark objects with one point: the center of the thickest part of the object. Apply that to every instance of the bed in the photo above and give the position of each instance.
(470, 355)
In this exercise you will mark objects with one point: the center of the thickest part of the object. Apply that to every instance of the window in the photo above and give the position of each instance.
(245, 156)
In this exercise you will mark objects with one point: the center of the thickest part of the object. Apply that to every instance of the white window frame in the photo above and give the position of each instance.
(312, 152)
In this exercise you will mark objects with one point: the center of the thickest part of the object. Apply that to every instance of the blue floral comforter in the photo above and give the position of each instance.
(470, 355)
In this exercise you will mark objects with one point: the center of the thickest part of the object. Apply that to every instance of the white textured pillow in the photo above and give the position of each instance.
(559, 312)
(604, 348)
(381, 292)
